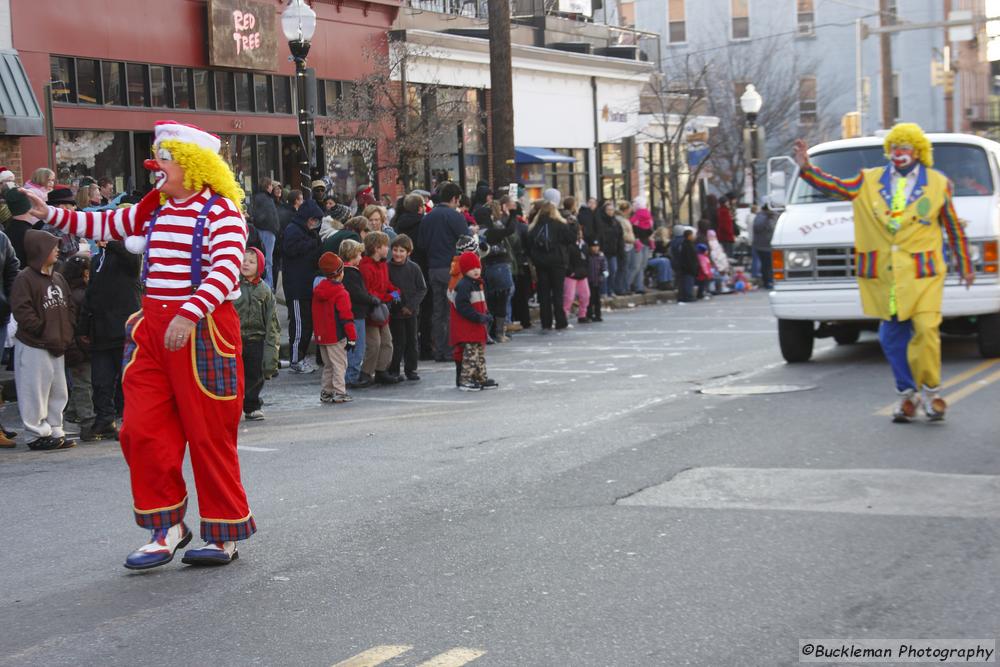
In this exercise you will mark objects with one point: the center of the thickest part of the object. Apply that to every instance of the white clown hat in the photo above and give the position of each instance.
(171, 130)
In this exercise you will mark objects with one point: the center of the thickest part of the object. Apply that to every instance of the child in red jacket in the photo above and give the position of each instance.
(467, 327)
(378, 340)
(333, 325)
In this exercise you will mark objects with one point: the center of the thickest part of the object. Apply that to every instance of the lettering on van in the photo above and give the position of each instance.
(836, 221)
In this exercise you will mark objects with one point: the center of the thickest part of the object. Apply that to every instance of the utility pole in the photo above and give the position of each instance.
(501, 92)
(885, 44)
(949, 91)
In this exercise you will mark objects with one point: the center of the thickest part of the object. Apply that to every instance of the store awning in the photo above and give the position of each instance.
(20, 114)
(527, 155)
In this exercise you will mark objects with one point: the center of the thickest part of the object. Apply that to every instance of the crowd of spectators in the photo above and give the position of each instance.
(373, 284)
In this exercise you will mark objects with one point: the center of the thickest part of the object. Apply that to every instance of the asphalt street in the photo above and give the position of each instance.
(598, 509)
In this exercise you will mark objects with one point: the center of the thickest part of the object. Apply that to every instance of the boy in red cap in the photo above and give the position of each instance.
(467, 326)
(333, 324)
(259, 330)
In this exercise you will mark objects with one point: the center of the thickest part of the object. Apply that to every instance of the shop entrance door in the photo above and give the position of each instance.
(142, 150)
(291, 155)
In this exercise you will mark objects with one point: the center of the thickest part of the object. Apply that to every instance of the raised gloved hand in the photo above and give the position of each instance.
(143, 213)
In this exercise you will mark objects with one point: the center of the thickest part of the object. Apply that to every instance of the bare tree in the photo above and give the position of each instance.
(673, 102)
(782, 118)
(422, 121)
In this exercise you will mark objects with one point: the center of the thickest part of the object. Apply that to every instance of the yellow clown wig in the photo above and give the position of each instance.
(204, 167)
(910, 134)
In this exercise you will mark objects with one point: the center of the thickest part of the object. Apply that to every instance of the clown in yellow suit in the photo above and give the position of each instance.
(899, 211)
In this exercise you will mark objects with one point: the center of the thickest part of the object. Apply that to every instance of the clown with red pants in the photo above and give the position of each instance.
(182, 368)
(193, 396)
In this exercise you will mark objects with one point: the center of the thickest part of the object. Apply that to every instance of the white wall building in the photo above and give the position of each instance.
(580, 106)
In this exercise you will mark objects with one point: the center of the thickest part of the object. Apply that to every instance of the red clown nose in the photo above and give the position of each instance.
(151, 165)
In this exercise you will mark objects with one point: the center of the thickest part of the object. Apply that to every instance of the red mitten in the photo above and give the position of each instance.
(136, 244)
(144, 209)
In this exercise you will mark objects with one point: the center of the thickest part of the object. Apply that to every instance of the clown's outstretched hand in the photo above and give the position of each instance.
(144, 211)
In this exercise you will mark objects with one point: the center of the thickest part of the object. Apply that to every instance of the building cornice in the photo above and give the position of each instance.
(475, 50)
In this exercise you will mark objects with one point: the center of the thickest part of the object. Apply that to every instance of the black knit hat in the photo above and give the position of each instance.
(466, 244)
(61, 195)
(17, 202)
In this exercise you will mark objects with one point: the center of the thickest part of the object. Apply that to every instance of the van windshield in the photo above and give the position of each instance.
(965, 165)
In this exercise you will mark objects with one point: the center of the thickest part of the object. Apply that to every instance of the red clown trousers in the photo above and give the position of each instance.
(191, 397)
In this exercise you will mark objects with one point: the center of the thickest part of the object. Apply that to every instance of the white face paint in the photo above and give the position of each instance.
(162, 154)
(902, 156)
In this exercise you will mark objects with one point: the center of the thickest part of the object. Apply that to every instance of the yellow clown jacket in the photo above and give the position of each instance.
(899, 272)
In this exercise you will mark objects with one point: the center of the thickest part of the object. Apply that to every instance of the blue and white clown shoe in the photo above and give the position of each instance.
(213, 553)
(160, 549)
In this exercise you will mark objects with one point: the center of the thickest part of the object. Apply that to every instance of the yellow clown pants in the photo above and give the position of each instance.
(913, 349)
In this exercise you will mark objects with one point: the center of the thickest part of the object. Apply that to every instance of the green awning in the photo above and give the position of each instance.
(20, 114)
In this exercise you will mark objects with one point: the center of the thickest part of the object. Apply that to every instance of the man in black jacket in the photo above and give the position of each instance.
(286, 211)
(9, 266)
(21, 221)
(265, 218)
(113, 294)
(688, 266)
(439, 230)
(301, 251)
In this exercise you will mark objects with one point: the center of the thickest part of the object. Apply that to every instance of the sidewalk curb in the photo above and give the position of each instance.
(652, 297)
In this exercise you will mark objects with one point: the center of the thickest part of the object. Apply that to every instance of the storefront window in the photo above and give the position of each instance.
(61, 78)
(158, 86)
(91, 153)
(349, 163)
(267, 157)
(202, 89)
(655, 163)
(262, 94)
(112, 74)
(612, 181)
(87, 87)
(346, 96)
(225, 97)
(243, 92)
(182, 90)
(237, 151)
(136, 75)
(331, 92)
(580, 168)
(282, 94)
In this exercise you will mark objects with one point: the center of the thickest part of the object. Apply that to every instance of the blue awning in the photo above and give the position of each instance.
(528, 155)
(20, 114)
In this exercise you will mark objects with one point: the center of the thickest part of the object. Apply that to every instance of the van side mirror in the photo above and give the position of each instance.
(779, 169)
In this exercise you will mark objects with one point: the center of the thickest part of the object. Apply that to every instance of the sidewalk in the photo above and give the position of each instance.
(10, 417)
(608, 304)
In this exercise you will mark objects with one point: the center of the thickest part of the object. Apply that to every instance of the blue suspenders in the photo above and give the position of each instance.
(196, 243)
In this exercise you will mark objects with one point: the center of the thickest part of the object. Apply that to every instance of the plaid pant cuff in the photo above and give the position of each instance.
(228, 531)
(161, 518)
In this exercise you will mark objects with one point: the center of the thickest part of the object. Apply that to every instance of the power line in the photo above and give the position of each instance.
(775, 35)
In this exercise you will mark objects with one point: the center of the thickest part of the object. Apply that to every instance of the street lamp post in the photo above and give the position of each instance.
(298, 22)
(750, 103)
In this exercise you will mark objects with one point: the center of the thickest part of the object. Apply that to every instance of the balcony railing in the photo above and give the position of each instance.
(475, 9)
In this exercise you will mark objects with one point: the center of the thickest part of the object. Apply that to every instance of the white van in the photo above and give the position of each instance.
(816, 294)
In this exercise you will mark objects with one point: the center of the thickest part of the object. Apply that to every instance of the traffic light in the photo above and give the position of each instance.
(850, 125)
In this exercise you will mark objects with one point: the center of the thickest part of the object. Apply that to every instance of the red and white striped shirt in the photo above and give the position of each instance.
(169, 250)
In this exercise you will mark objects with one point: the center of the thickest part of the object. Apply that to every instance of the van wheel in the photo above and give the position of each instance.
(796, 340)
(847, 336)
(989, 335)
